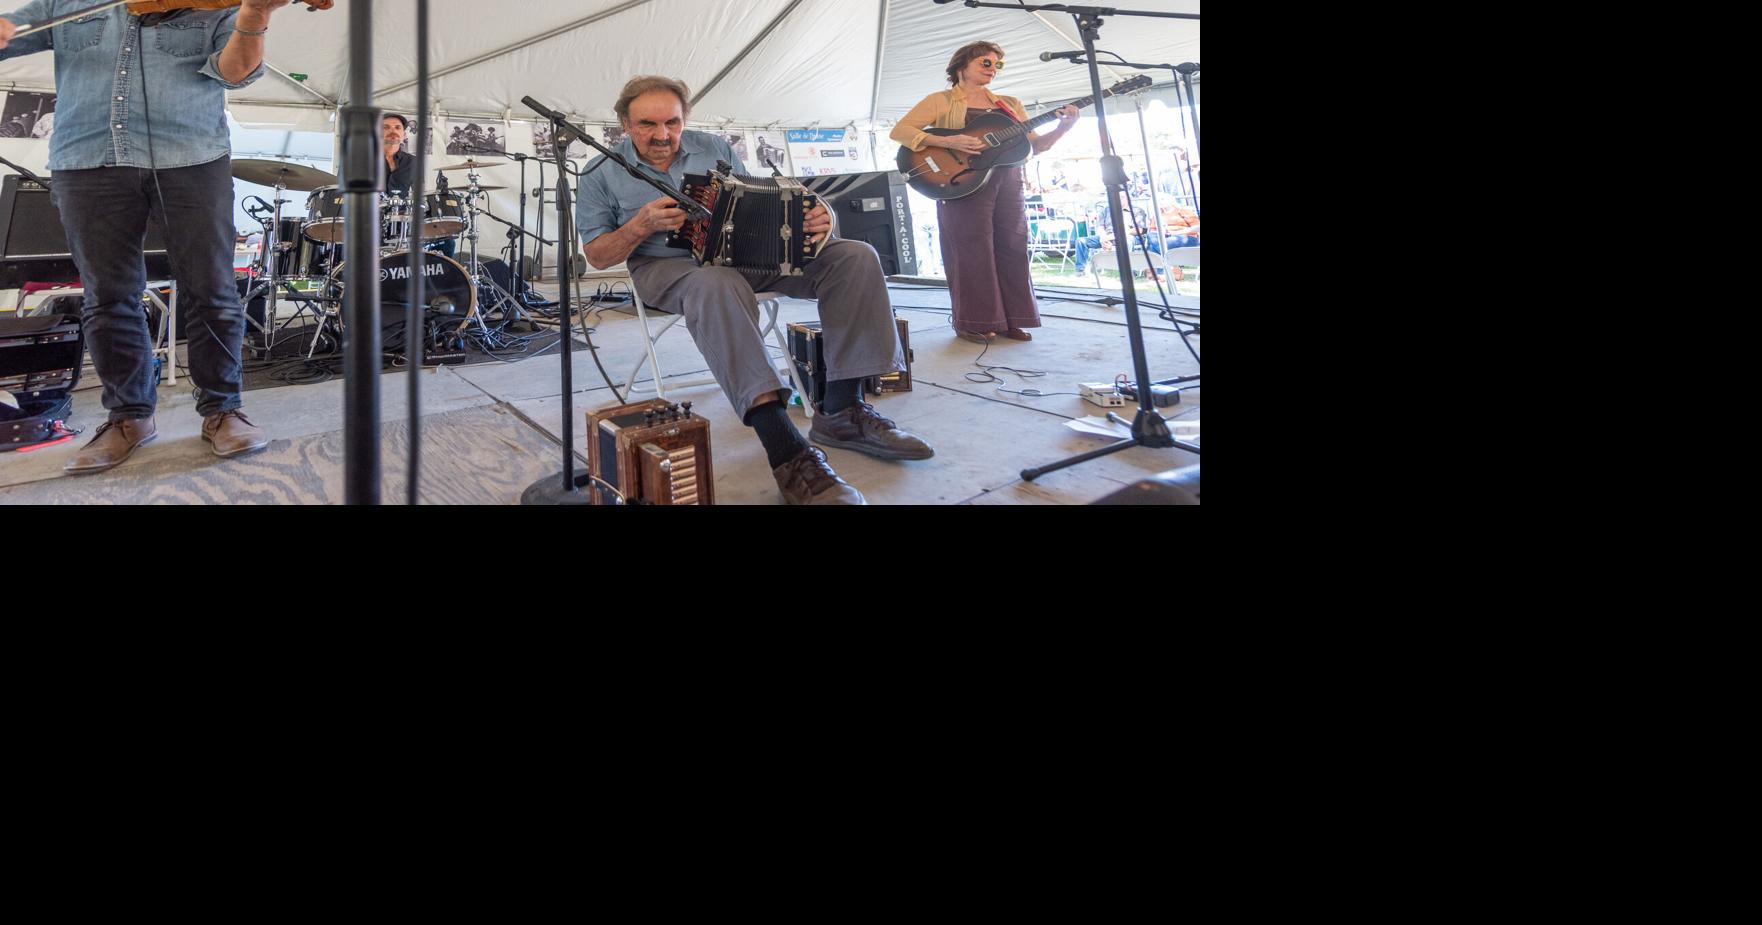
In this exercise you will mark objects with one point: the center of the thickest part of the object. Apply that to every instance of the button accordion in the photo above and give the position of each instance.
(651, 452)
(755, 224)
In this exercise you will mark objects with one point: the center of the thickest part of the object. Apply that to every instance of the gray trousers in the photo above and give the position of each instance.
(723, 316)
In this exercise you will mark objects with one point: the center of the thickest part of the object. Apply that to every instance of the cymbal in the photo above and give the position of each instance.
(292, 176)
(472, 163)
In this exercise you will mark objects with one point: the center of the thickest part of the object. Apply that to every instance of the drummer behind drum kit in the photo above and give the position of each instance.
(309, 251)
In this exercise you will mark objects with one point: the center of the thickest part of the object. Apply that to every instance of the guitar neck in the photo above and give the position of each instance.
(1030, 125)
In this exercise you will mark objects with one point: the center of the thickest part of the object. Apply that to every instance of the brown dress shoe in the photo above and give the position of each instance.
(809, 479)
(233, 434)
(861, 428)
(113, 443)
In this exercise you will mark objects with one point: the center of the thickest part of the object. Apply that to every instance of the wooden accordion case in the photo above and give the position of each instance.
(651, 452)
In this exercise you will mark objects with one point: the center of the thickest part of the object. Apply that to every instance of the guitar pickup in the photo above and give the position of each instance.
(991, 139)
(931, 163)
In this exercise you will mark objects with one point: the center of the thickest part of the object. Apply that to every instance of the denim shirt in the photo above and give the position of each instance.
(609, 197)
(102, 111)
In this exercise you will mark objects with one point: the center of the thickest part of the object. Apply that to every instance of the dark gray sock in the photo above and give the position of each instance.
(841, 395)
(783, 442)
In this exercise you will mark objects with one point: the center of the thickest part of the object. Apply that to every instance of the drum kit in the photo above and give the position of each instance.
(300, 260)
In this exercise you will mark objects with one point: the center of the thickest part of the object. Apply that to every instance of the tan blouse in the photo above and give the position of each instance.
(948, 109)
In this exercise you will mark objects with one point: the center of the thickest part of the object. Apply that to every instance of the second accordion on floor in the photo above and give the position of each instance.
(755, 224)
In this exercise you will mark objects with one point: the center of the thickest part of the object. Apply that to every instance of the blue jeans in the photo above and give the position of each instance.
(105, 211)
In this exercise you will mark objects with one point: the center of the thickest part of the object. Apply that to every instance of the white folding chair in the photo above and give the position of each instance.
(1054, 235)
(769, 303)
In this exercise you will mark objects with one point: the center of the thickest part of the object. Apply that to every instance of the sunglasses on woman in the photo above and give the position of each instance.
(995, 65)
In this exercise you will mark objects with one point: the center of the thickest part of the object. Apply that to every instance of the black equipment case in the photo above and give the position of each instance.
(40, 365)
(808, 353)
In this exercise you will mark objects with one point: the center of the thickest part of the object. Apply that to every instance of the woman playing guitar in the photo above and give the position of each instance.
(985, 233)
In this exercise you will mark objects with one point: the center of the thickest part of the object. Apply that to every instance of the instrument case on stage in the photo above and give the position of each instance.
(808, 352)
(40, 365)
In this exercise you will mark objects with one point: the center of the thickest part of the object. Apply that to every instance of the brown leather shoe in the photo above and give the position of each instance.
(1018, 334)
(809, 479)
(861, 428)
(233, 434)
(114, 442)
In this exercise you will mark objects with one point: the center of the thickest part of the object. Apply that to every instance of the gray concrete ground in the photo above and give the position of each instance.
(491, 429)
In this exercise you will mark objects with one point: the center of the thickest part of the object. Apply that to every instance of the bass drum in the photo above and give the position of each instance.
(448, 289)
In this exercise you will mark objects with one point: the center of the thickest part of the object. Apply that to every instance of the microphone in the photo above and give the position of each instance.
(539, 108)
(1055, 55)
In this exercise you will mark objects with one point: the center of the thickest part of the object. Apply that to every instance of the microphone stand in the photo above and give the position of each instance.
(1168, 313)
(516, 228)
(415, 332)
(1183, 74)
(1148, 428)
(1187, 70)
(363, 179)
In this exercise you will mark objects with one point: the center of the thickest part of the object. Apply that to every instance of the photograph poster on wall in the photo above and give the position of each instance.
(28, 115)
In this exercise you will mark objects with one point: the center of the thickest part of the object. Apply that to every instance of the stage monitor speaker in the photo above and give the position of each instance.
(30, 227)
(873, 207)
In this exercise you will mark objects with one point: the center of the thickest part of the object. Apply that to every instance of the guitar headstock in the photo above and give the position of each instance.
(1130, 85)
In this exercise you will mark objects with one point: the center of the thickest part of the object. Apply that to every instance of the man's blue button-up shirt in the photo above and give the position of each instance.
(104, 109)
(609, 197)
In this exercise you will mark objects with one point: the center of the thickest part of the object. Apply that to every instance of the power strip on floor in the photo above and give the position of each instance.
(1101, 393)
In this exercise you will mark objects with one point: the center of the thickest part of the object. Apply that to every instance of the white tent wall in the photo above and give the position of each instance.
(807, 64)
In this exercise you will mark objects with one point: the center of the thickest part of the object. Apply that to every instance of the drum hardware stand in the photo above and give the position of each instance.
(519, 234)
(1148, 429)
(476, 272)
(269, 280)
(522, 288)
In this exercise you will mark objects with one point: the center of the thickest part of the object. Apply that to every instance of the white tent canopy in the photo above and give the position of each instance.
(754, 63)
